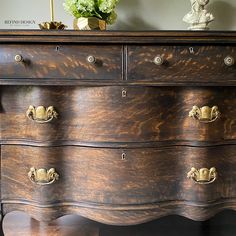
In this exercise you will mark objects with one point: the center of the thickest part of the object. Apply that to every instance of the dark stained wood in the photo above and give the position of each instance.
(146, 183)
(101, 37)
(121, 160)
(67, 66)
(61, 61)
(102, 115)
(205, 63)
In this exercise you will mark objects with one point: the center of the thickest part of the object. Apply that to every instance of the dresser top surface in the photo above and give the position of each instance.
(73, 36)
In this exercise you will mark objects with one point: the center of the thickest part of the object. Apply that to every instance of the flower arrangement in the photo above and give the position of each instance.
(102, 9)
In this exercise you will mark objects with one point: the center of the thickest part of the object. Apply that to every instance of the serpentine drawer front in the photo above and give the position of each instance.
(132, 178)
(134, 118)
(118, 127)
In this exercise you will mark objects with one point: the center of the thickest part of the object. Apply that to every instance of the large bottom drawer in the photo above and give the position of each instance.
(113, 179)
(114, 176)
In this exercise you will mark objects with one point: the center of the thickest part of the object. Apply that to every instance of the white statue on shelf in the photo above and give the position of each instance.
(198, 17)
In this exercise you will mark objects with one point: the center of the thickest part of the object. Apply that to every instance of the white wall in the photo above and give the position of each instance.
(132, 14)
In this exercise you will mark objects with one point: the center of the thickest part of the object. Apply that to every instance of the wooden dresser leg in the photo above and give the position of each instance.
(1, 224)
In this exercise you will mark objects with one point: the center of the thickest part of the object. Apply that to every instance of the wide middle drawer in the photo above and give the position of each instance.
(107, 114)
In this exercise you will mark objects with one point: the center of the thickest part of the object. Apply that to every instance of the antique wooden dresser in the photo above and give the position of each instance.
(119, 127)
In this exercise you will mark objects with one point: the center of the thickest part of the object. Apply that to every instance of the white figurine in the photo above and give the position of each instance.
(198, 17)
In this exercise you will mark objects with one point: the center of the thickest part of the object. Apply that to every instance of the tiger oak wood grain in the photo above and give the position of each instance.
(121, 160)
(114, 54)
(146, 114)
(99, 180)
(61, 61)
(190, 63)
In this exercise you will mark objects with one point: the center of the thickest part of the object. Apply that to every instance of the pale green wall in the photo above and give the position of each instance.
(132, 14)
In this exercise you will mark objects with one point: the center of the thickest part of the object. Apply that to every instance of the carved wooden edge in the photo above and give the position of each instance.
(70, 36)
(120, 215)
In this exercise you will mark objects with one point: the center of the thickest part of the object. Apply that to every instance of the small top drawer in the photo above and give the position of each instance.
(183, 63)
(65, 61)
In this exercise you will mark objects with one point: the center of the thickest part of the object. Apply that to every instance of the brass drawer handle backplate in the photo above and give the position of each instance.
(203, 175)
(41, 114)
(43, 176)
(205, 114)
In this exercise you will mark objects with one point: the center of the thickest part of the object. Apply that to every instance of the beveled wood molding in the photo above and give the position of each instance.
(71, 36)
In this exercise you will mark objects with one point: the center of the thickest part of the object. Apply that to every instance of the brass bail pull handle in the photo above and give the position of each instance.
(43, 176)
(41, 114)
(203, 175)
(205, 114)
